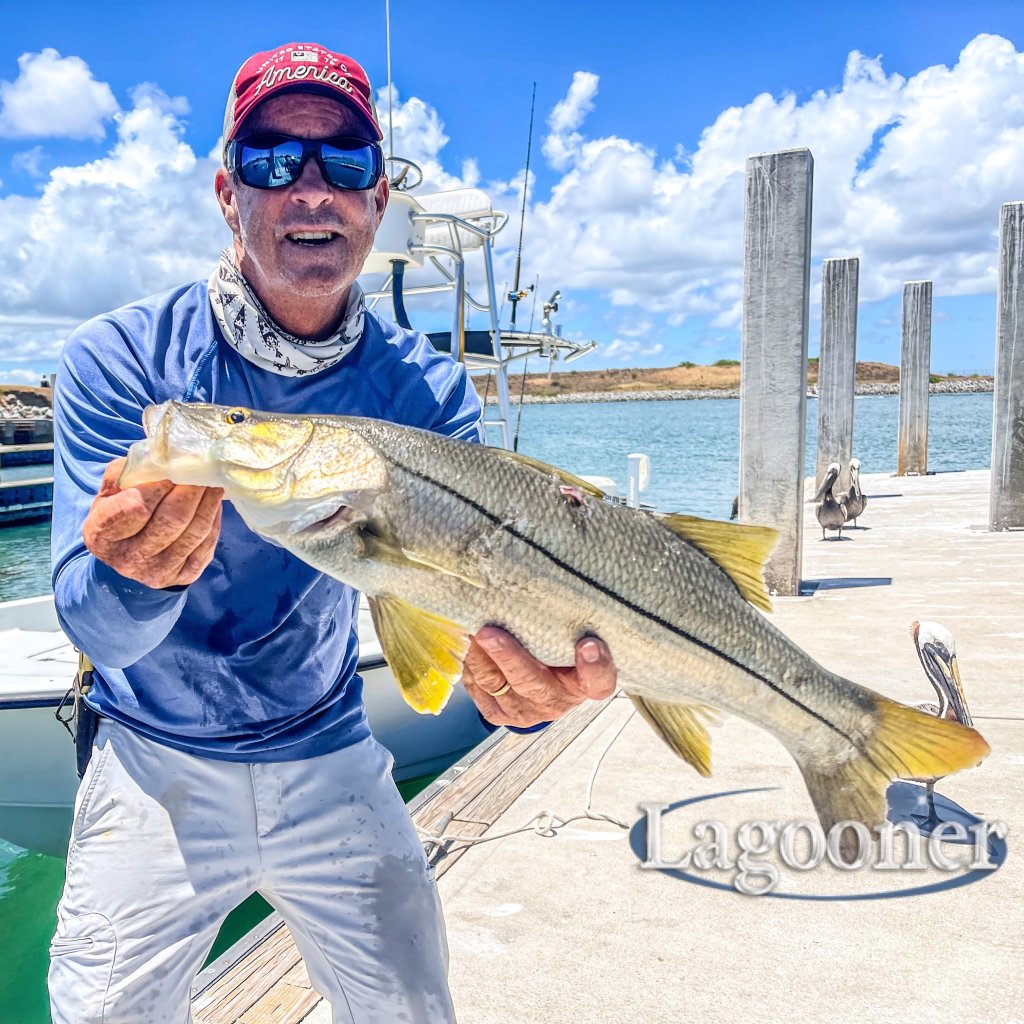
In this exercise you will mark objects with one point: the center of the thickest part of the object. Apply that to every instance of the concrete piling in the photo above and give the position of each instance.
(915, 367)
(837, 366)
(773, 384)
(1006, 499)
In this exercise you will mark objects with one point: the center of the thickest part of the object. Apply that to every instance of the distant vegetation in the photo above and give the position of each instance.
(813, 359)
(726, 362)
(686, 364)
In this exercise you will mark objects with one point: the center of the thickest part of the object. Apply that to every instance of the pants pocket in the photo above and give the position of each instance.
(81, 965)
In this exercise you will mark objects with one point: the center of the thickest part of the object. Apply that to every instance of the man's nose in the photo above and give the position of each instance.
(311, 188)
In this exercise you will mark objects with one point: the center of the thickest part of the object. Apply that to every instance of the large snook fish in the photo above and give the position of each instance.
(445, 537)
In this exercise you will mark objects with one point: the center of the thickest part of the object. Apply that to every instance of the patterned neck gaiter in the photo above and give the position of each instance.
(249, 329)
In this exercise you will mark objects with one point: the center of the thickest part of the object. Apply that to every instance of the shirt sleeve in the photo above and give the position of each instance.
(101, 391)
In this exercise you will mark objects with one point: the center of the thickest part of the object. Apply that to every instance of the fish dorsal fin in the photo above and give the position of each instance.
(680, 726)
(740, 550)
(425, 652)
(563, 475)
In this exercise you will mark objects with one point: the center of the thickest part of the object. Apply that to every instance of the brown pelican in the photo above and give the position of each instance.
(830, 513)
(937, 650)
(853, 500)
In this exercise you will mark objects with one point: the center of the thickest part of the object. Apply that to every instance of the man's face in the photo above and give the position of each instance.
(288, 274)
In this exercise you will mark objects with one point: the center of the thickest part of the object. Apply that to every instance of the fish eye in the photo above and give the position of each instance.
(236, 416)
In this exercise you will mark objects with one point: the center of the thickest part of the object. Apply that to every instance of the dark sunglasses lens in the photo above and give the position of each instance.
(352, 169)
(270, 166)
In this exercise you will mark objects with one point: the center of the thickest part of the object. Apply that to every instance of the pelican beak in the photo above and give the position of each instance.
(826, 485)
(947, 676)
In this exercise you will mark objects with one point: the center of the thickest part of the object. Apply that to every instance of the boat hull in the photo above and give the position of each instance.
(38, 779)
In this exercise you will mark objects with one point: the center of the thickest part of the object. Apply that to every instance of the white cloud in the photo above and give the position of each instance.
(566, 116)
(140, 219)
(22, 376)
(54, 96)
(30, 161)
(909, 175)
(419, 136)
(627, 350)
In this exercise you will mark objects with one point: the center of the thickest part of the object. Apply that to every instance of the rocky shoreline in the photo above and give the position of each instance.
(960, 386)
(36, 406)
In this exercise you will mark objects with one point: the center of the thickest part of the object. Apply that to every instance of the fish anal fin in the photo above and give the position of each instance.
(904, 743)
(425, 652)
(739, 549)
(680, 726)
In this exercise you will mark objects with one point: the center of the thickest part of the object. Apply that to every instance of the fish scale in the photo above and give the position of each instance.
(445, 537)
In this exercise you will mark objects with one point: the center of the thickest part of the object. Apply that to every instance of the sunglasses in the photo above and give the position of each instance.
(275, 161)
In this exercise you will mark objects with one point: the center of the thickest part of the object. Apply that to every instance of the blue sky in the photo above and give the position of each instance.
(644, 114)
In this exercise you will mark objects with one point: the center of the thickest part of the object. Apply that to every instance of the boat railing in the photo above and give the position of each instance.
(436, 232)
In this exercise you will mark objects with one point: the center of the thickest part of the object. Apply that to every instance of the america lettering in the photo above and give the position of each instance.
(274, 76)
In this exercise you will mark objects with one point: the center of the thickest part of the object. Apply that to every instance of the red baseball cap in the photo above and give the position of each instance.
(299, 67)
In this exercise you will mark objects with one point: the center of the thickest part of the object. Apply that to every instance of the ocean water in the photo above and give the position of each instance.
(693, 447)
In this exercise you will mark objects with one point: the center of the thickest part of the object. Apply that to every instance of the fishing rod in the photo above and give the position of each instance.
(515, 295)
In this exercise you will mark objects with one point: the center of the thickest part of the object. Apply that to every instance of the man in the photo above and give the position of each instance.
(233, 753)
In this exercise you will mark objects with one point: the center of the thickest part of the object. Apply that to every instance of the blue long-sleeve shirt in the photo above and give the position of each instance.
(255, 660)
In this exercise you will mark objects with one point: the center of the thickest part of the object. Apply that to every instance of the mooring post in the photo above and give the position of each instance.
(837, 366)
(915, 368)
(1006, 502)
(773, 380)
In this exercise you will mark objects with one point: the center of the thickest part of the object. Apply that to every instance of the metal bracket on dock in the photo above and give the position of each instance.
(433, 846)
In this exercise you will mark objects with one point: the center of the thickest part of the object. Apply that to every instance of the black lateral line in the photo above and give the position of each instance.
(642, 612)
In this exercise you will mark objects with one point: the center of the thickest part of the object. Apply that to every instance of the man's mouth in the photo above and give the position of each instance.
(312, 238)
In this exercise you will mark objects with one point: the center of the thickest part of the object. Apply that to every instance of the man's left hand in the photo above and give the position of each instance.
(535, 692)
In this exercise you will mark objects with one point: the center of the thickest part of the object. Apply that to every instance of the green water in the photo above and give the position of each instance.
(30, 886)
(24, 561)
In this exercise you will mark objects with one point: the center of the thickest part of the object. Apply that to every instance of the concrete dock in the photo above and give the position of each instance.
(570, 928)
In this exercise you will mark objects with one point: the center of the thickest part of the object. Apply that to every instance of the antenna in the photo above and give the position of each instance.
(391, 125)
(515, 295)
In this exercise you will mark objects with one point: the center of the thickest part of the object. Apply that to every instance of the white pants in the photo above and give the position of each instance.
(164, 845)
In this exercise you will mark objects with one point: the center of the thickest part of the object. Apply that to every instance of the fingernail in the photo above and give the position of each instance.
(491, 643)
(590, 652)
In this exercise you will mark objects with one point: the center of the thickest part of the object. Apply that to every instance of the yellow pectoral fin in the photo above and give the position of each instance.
(680, 726)
(425, 652)
(740, 550)
(389, 552)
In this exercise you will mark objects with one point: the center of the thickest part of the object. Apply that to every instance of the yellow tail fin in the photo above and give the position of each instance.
(904, 744)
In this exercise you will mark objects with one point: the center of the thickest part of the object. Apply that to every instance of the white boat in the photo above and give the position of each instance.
(38, 780)
(434, 235)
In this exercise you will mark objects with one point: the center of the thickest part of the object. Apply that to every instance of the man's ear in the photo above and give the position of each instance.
(380, 197)
(226, 197)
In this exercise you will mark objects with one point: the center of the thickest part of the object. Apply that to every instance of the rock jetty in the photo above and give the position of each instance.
(956, 386)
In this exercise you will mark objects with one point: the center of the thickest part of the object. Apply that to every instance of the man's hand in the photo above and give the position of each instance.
(534, 692)
(160, 534)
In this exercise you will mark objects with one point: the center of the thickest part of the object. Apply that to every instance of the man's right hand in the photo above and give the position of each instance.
(160, 534)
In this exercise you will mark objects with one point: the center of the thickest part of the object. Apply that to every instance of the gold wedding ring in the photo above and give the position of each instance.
(498, 693)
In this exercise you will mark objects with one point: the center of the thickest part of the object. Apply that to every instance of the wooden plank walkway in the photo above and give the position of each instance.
(262, 979)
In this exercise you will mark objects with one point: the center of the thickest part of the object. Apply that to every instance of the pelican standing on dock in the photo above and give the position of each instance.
(853, 500)
(937, 650)
(831, 515)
